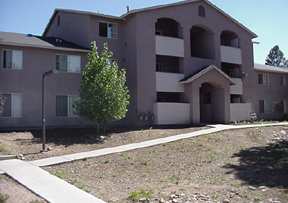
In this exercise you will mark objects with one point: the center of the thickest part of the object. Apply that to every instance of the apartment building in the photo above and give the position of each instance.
(187, 63)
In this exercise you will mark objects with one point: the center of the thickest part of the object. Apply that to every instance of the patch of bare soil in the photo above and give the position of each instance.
(62, 142)
(13, 192)
(234, 166)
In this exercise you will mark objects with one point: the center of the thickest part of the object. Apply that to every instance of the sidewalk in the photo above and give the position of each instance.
(42, 183)
(101, 152)
(56, 190)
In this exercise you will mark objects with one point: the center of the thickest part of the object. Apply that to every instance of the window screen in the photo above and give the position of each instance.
(61, 63)
(61, 106)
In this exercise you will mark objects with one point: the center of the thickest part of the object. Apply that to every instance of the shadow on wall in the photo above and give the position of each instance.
(263, 166)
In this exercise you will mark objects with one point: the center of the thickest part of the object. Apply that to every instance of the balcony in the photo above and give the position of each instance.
(169, 82)
(172, 113)
(169, 46)
(240, 111)
(237, 88)
(231, 55)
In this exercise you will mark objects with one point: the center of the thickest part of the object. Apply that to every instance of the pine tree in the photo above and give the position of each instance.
(104, 95)
(275, 57)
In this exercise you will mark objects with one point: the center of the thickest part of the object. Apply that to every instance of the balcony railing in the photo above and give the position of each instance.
(169, 46)
(237, 88)
(240, 111)
(231, 55)
(172, 113)
(169, 82)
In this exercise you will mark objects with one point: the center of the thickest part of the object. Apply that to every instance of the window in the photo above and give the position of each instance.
(261, 106)
(65, 106)
(263, 79)
(108, 30)
(283, 80)
(279, 107)
(70, 63)
(260, 79)
(58, 20)
(12, 59)
(201, 11)
(12, 105)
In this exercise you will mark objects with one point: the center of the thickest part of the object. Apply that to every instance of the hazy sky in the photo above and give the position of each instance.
(267, 18)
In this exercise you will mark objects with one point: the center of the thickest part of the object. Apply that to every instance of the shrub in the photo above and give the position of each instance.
(141, 194)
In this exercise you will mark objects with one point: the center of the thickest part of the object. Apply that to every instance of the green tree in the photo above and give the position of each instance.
(275, 57)
(104, 95)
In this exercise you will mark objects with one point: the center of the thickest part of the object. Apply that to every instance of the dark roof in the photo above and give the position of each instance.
(122, 17)
(58, 42)
(29, 40)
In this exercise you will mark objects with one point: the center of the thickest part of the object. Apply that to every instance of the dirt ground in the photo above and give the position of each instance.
(16, 193)
(234, 166)
(72, 141)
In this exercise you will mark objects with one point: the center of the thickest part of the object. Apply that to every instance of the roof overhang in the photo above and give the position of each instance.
(270, 69)
(189, 2)
(122, 17)
(201, 73)
(44, 47)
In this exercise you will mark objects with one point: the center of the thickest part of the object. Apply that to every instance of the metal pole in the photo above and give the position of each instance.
(43, 115)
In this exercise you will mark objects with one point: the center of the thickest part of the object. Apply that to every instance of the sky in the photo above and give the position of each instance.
(267, 18)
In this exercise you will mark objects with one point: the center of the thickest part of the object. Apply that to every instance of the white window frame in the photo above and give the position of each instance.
(115, 31)
(69, 57)
(14, 112)
(14, 51)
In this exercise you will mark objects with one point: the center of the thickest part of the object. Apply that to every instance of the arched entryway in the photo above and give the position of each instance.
(208, 92)
(212, 103)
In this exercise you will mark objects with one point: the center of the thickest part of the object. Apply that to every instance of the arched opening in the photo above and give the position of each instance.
(230, 39)
(202, 42)
(212, 104)
(168, 27)
(201, 11)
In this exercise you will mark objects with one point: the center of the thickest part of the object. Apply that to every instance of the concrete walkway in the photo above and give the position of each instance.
(145, 144)
(56, 190)
(45, 185)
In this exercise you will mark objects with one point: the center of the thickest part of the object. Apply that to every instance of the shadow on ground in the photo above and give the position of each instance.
(70, 136)
(263, 166)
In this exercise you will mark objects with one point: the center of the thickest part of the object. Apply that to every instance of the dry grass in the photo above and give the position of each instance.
(214, 165)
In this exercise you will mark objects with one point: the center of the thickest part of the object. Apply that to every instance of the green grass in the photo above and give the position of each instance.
(140, 194)
(60, 174)
(3, 198)
(3, 148)
(174, 179)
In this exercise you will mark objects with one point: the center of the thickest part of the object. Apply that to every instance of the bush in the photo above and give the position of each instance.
(138, 195)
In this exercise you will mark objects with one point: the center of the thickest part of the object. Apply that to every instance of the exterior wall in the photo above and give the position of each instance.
(28, 82)
(273, 92)
(186, 16)
(73, 27)
(240, 112)
(136, 49)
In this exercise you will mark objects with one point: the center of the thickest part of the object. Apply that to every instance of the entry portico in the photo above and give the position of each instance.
(208, 93)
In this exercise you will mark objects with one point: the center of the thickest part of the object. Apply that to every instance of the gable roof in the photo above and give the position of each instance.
(28, 40)
(184, 2)
(202, 72)
(122, 17)
(80, 13)
(271, 69)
